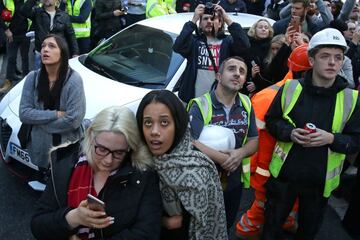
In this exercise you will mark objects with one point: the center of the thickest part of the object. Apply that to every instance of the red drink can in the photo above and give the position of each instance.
(310, 127)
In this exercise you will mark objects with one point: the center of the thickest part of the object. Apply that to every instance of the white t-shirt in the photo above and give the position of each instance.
(205, 74)
(52, 15)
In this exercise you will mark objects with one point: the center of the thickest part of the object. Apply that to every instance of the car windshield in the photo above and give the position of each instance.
(139, 56)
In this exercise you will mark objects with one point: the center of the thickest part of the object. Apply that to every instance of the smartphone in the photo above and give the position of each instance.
(95, 203)
(295, 23)
(253, 63)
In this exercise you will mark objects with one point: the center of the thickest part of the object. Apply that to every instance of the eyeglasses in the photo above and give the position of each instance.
(104, 151)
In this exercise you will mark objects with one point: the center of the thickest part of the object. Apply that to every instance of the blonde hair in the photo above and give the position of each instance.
(118, 120)
(278, 39)
(252, 32)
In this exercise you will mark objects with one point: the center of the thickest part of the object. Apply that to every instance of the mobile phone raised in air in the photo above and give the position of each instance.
(295, 23)
(95, 203)
(253, 63)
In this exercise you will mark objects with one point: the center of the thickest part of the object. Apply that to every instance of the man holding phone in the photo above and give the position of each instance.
(299, 20)
(206, 49)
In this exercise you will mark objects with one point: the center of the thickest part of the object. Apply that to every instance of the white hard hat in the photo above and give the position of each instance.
(217, 137)
(328, 36)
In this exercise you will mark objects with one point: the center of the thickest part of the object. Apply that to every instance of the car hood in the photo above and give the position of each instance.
(100, 93)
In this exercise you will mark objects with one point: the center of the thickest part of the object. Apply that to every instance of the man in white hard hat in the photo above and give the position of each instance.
(307, 160)
(226, 107)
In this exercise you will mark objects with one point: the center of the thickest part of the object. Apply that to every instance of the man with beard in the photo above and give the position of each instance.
(228, 108)
(206, 49)
(299, 9)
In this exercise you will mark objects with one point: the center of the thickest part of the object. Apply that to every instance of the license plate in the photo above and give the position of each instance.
(18, 153)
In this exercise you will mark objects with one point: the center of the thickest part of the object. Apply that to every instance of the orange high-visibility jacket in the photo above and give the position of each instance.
(260, 161)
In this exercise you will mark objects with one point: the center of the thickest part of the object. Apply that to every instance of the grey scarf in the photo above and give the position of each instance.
(190, 179)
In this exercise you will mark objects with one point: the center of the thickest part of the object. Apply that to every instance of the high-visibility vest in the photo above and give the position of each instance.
(344, 107)
(9, 5)
(82, 30)
(156, 8)
(260, 161)
(205, 105)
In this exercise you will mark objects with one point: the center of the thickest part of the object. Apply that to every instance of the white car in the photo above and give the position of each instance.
(120, 71)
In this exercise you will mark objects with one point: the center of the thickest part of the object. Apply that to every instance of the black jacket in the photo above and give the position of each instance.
(257, 52)
(315, 105)
(187, 45)
(106, 23)
(277, 69)
(132, 197)
(19, 24)
(354, 54)
(41, 24)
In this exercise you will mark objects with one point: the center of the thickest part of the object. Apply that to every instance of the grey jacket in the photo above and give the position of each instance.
(346, 72)
(45, 122)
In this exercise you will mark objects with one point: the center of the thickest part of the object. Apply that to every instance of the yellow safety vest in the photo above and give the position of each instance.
(9, 5)
(205, 105)
(344, 107)
(82, 30)
(156, 8)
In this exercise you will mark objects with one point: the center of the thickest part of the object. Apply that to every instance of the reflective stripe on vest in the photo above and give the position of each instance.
(247, 225)
(260, 124)
(344, 107)
(9, 5)
(260, 204)
(262, 172)
(275, 87)
(242, 224)
(205, 105)
(82, 30)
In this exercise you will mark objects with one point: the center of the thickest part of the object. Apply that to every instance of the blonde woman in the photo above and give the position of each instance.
(275, 45)
(260, 35)
(113, 164)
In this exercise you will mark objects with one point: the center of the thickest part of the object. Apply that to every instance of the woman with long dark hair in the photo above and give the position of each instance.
(52, 102)
(189, 182)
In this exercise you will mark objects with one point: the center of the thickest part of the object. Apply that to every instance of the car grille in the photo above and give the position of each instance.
(5, 133)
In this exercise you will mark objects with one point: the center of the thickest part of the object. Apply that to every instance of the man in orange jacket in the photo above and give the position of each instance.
(251, 222)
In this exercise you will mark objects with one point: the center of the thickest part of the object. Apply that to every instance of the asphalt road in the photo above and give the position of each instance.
(331, 228)
(17, 205)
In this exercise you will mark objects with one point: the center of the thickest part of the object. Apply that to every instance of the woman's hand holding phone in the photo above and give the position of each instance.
(255, 69)
(85, 216)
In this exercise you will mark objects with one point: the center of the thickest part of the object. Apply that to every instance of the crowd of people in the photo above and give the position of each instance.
(281, 100)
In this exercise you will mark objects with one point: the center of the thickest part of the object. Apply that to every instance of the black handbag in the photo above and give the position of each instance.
(24, 134)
